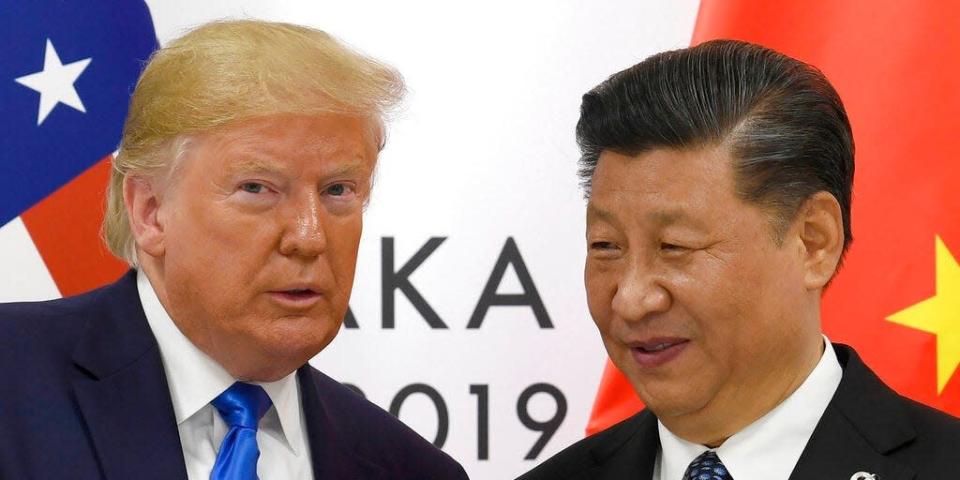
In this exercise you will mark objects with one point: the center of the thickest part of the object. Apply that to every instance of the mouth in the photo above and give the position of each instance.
(295, 298)
(658, 351)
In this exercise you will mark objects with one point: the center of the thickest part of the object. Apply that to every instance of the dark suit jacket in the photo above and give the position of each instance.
(866, 427)
(84, 396)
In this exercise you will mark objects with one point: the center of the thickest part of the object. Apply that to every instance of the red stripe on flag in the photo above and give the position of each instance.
(65, 227)
(896, 66)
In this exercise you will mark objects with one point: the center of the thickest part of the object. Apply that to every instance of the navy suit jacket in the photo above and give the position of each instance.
(84, 396)
(867, 427)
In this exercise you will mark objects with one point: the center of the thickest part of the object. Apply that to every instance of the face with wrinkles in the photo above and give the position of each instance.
(707, 314)
(252, 246)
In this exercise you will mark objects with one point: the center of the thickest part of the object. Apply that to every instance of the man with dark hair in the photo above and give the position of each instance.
(719, 183)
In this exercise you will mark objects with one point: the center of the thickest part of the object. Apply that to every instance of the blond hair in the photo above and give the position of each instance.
(229, 71)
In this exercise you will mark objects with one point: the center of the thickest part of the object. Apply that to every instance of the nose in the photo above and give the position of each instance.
(640, 293)
(303, 234)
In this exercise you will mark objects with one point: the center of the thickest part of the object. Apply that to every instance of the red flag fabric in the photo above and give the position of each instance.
(896, 66)
(81, 263)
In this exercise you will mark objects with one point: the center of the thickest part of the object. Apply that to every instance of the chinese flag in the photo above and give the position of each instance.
(896, 66)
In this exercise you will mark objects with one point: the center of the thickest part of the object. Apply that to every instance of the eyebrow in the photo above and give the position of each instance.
(354, 165)
(252, 165)
(663, 218)
(596, 213)
(669, 217)
(255, 165)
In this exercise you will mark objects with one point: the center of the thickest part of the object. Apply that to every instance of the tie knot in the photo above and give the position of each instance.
(707, 467)
(242, 405)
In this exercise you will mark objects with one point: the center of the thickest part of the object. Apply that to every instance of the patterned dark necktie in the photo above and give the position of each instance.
(707, 467)
(241, 406)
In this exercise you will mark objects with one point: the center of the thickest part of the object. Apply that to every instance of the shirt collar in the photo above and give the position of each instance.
(770, 446)
(285, 395)
(195, 379)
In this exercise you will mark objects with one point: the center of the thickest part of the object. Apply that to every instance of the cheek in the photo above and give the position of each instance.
(601, 285)
(343, 242)
(234, 250)
(743, 302)
(716, 296)
(202, 221)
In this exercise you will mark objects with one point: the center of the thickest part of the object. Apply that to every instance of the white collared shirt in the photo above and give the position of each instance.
(195, 380)
(769, 448)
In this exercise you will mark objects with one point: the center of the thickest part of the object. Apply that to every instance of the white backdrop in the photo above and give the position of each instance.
(483, 151)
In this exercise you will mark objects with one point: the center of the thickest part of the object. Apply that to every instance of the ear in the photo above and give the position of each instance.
(821, 233)
(140, 196)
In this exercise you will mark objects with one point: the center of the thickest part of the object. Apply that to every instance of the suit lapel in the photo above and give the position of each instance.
(631, 454)
(122, 391)
(333, 451)
(864, 422)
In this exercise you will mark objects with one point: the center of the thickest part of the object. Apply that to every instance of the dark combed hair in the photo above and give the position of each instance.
(783, 122)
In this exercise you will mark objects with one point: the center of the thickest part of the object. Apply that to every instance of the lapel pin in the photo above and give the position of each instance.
(864, 476)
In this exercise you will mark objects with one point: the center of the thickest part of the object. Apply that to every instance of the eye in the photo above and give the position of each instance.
(252, 187)
(673, 248)
(601, 246)
(339, 189)
(603, 249)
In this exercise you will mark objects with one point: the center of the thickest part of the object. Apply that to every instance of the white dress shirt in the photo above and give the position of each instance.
(195, 380)
(767, 449)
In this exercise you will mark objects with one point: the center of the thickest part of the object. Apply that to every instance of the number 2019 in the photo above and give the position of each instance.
(547, 428)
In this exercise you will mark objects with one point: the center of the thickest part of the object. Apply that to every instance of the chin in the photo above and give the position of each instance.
(297, 336)
(270, 368)
(297, 349)
(667, 407)
(668, 398)
(272, 361)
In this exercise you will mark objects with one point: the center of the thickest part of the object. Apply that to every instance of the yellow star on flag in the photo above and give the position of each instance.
(939, 315)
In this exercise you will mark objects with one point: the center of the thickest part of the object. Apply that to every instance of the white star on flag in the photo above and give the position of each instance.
(55, 83)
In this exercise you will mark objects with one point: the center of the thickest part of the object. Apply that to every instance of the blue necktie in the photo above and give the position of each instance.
(241, 406)
(707, 467)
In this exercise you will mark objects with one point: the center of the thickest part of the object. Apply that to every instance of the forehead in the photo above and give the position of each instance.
(665, 184)
(295, 137)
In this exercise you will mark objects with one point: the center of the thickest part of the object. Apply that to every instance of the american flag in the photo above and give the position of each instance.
(66, 74)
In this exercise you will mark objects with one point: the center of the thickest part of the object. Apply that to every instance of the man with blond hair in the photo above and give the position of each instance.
(237, 198)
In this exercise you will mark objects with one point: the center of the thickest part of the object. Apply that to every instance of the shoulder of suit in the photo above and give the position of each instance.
(862, 392)
(37, 345)
(584, 454)
(935, 429)
(914, 434)
(932, 438)
(29, 330)
(381, 436)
